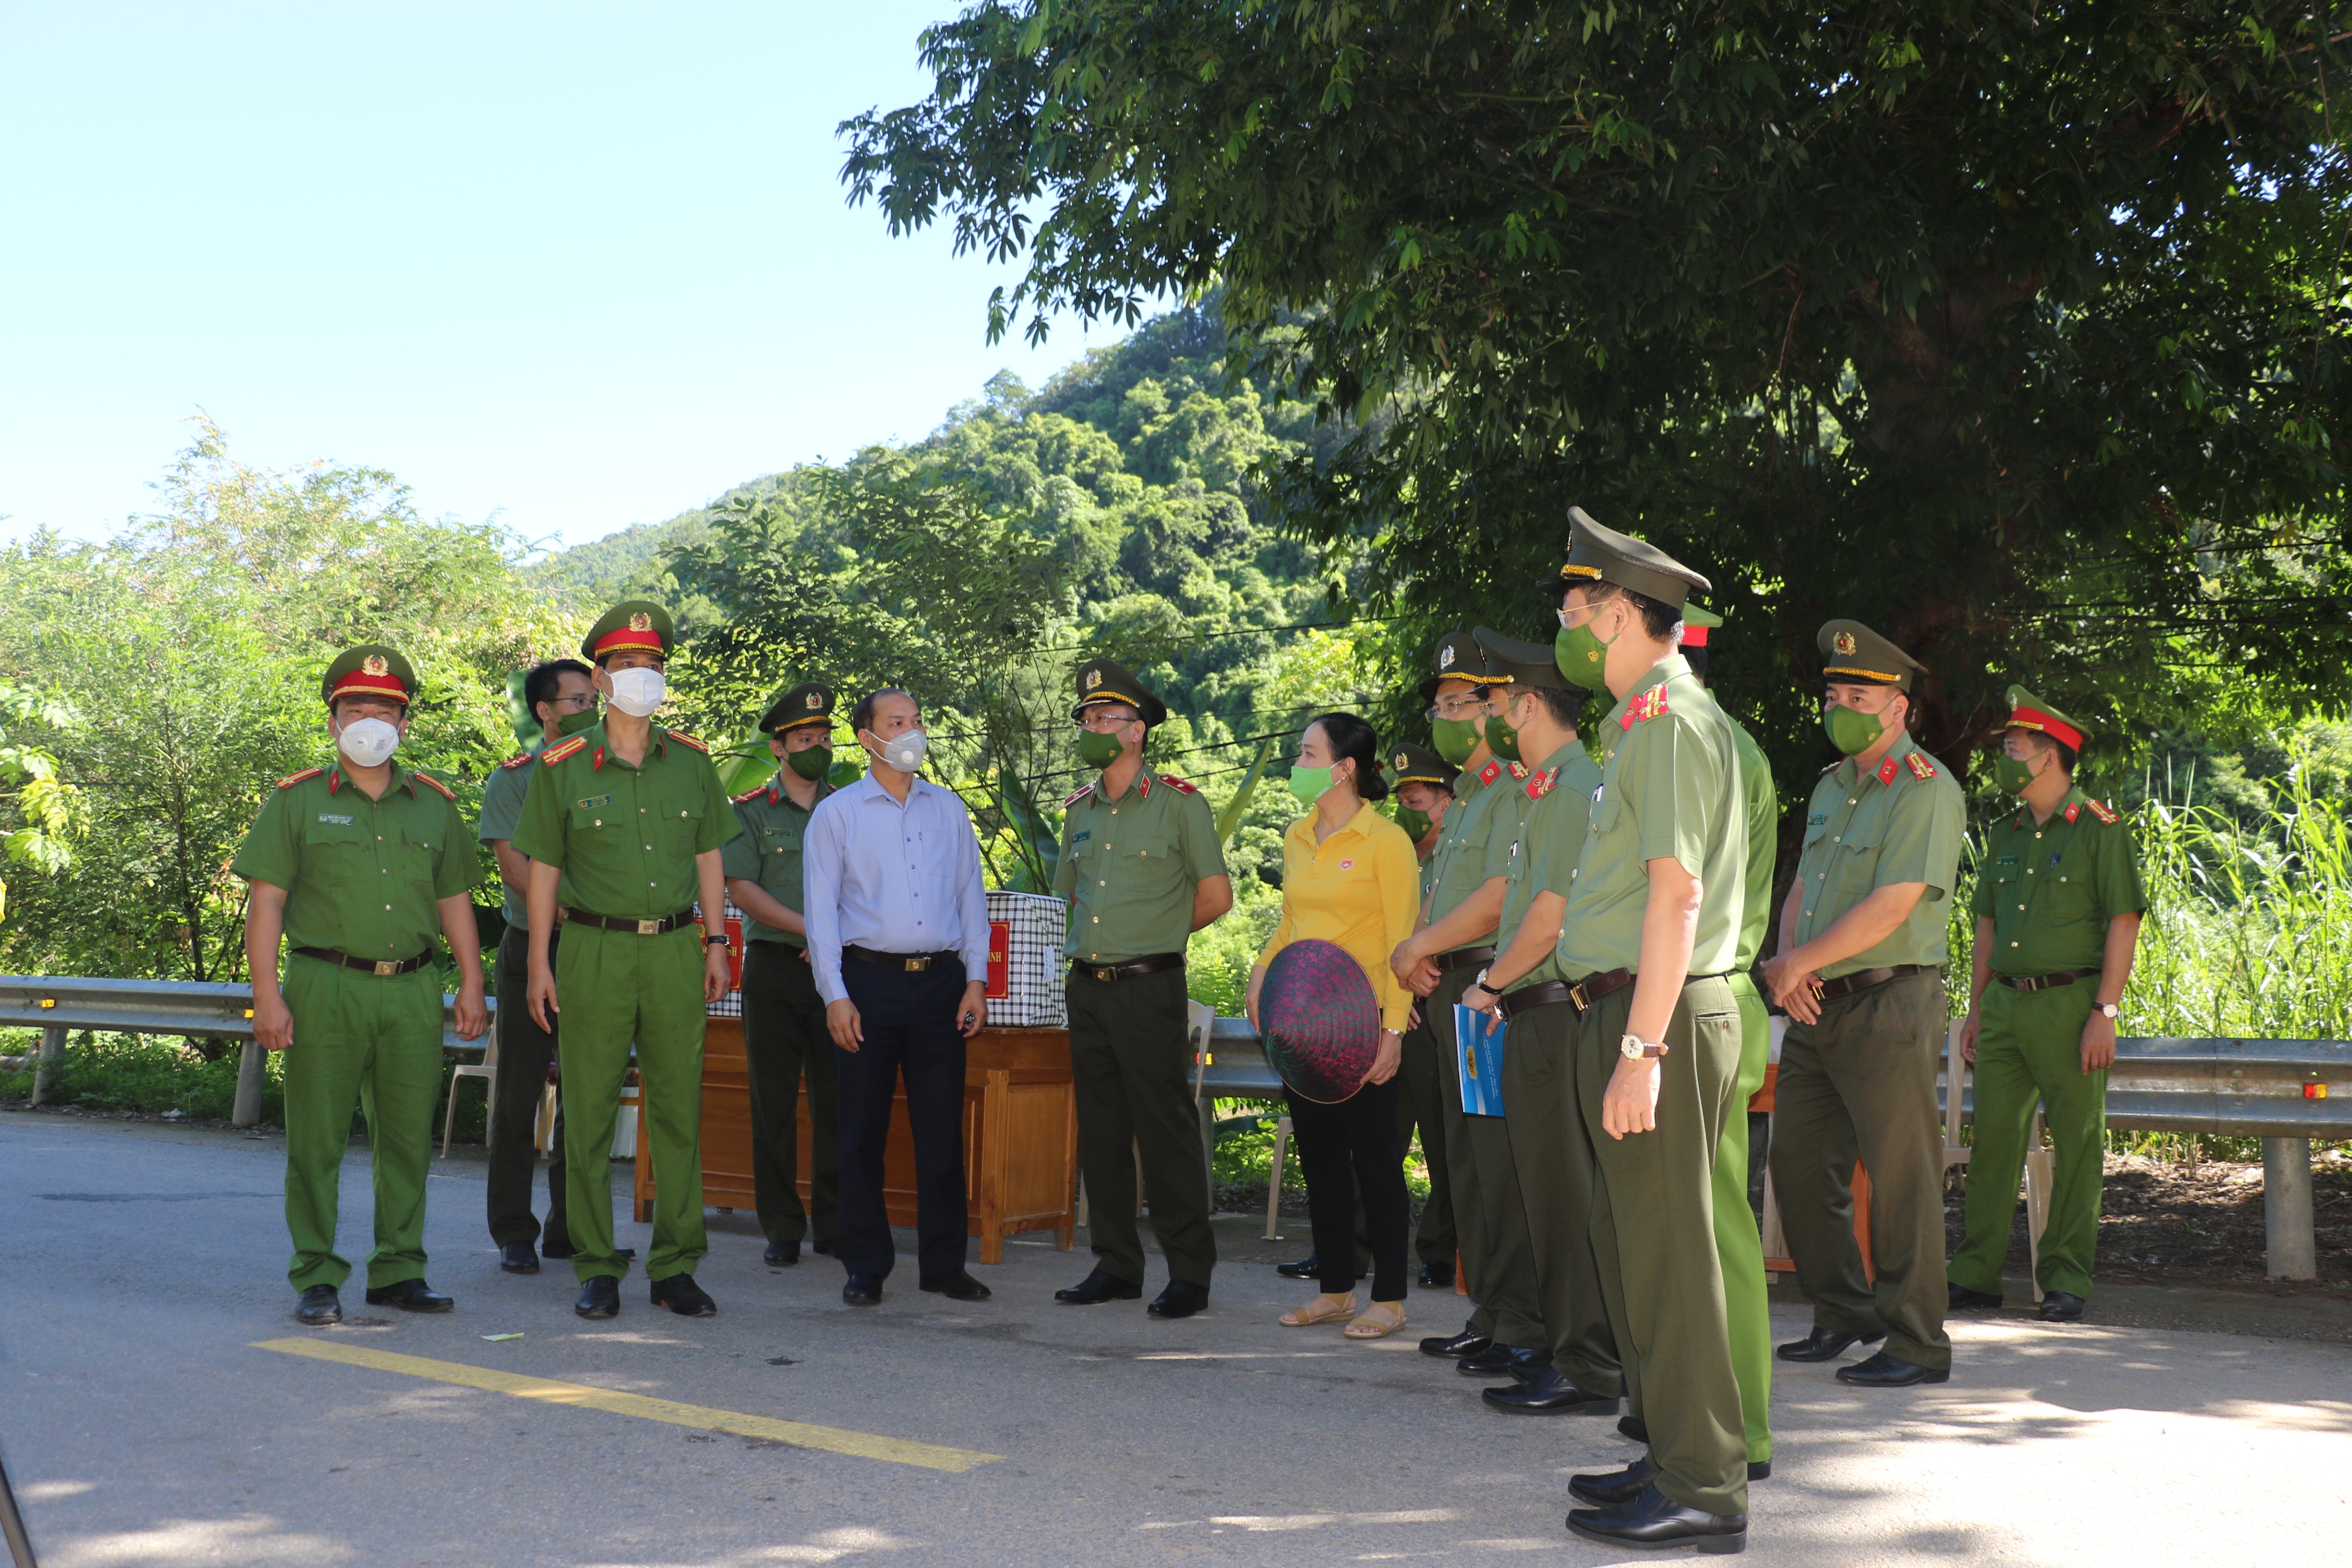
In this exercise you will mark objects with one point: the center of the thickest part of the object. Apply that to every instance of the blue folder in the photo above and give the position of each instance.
(1478, 1057)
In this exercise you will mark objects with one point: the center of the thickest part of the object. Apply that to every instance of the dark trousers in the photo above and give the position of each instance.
(1356, 1137)
(910, 1027)
(1559, 1175)
(1421, 1102)
(1131, 1067)
(525, 1053)
(783, 1037)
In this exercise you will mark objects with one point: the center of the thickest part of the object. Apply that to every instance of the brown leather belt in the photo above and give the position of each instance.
(1151, 964)
(1863, 979)
(1594, 987)
(367, 965)
(909, 963)
(2043, 982)
(684, 917)
(1581, 996)
(1463, 958)
(1527, 999)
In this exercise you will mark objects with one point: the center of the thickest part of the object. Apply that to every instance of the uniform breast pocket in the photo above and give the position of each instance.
(1608, 812)
(420, 852)
(333, 841)
(1154, 853)
(681, 827)
(2070, 898)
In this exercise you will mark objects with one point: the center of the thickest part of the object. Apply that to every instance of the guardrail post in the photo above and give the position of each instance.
(250, 1080)
(53, 1056)
(2292, 1248)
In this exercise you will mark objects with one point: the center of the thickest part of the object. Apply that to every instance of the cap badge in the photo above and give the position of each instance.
(1400, 760)
(373, 663)
(815, 700)
(1844, 644)
(1094, 678)
(1445, 656)
(641, 622)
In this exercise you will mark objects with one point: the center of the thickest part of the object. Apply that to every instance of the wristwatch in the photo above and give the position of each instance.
(1634, 1049)
(719, 941)
(2109, 1008)
(1480, 982)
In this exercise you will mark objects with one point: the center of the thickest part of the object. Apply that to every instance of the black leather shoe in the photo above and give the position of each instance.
(410, 1296)
(1097, 1288)
(959, 1287)
(681, 1295)
(1884, 1371)
(1307, 1267)
(1521, 1361)
(1824, 1345)
(1608, 1488)
(600, 1298)
(2060, 1307)
(1550, 1395)
(318, 1307)
(1180, 1299)
(822, 1249)
(1633, 1426)
(518, 1258)
(1469, 1342)
(1653, 1518)
(1438, 1277)
(861, 1289)
(1960, 1299)
(1760, 1469)
(782, 1254)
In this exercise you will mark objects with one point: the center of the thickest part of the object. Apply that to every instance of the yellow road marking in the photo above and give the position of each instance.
(800, 1434)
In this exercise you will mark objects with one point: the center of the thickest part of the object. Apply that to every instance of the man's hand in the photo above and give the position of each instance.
(473, 1017)
(1385, 1060)
(273, 1026)
(1404, 961)
(539, 996)
(1424, 977)
(1630, 1104)
(718, 976)
(2098, 1042)
(1969, 1038)
(842, 1022)
(972, 1014)
(1793, 989)
(1488, 1000)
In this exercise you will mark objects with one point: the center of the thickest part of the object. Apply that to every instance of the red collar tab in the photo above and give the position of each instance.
(597, 762)
(1644, 705)
(1143, 786)
(334, 777)
(1886, 771)
(1491, 772)
(2055, 728)
(2073, 811)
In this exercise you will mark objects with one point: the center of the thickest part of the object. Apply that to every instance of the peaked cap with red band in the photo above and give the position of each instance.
(2027, 712)
(372, 668)
(638, 625)
(1696, 623)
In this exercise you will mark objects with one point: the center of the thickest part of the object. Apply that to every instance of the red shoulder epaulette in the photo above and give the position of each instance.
(562, 749)
(754, 792)
(520, 759)
(1648, 705)
(1921, 768)
(291, 780)
(2107, 817)
(1083, 791)
(446, 793)
(1520, 770)
(1541, 784)
(1172, 781)
(681, 736)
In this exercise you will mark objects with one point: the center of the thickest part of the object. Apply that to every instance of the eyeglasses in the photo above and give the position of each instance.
(586, 699)
(1104, 724)
(1460, 706)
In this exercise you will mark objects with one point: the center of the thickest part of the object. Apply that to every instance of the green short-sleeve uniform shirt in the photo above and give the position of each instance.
(768, 851)
(361, 877)
(2050, 888)
(1901, 821)
(502, 797)
(1129, 867)
(1669, 789)
(1457, 868)
(1763, 807)
(1558, 799)
(624, 838)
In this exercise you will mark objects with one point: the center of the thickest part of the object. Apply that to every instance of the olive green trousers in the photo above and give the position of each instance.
(1490, 1218)
(1559, 1180)
(2030, 1051)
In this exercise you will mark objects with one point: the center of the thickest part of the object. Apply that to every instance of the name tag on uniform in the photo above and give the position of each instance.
(337, 821)
(1817, 818)
(1082, 834)
(2004, 861)
(593, 802)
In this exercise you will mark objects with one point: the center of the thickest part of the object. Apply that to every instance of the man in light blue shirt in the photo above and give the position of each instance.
(898, 934)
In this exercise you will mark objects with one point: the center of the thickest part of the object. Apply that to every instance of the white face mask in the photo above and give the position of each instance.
(637, 692)
(368, 742)
(907, 752)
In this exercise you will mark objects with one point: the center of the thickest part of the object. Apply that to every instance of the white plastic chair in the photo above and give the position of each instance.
(486, 1069)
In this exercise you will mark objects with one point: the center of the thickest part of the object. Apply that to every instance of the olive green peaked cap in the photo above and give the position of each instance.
(1523, 663)
(1597, 554)
(632, 625)
(1409, 764)
(807, 703)
(1456, 657)
(1853, 653)
(369, 668)
(2027, 712)
(1107, 681)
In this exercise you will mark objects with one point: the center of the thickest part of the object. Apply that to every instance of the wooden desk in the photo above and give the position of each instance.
(1019, 1137)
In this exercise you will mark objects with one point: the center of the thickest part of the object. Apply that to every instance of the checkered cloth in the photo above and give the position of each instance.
(1024, 961)
(731, 1004)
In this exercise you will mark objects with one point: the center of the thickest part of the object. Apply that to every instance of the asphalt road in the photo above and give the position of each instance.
(141, 1268)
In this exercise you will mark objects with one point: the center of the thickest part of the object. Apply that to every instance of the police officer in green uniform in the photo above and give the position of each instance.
(783, 1017)
(1576, 1370)
(1424, 793)
(1423, 786)
(1738, 1245)
(1142, 870)
(564, 698)
(1859, 972)
(1460, 914)
(624, 823)
(2058, 908)
(1647, 943)
(357, 865)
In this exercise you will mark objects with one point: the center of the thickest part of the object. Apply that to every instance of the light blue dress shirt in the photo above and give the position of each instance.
(893, 878)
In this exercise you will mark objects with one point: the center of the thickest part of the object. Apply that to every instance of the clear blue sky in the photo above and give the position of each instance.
(579, 266)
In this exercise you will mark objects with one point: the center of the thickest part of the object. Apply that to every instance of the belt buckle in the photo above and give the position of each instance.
(1106, 973)
(649, 928)
(916, 966)
(387, 967)
(1575, 995)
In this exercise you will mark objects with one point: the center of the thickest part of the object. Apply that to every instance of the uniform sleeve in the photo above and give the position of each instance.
(1923, 835)
(740, 858)
(458, 871)
(1676, 789)
(272, 850)
(1281, 928)
(1399, 892)
(539, 832)
(2121, 891)
(1203, 857)
(820, 898)
(502, 803)
(720, 825)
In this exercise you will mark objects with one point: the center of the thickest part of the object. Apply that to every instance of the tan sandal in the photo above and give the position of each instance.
(1322, 1310)
(1390, 1318)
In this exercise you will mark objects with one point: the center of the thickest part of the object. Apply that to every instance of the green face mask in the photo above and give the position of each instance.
(572, 723)
(1414, 823)
(1502, 739)
(810, 763)
(1455, 738)
(1851, 731)
(1582, 658)
(2012, 773)
(1308, 785)
(1099, 751)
